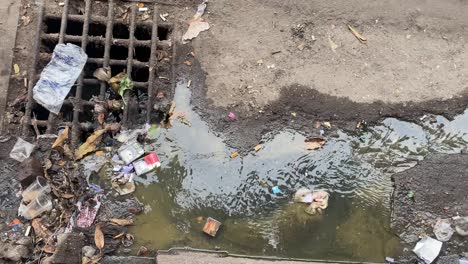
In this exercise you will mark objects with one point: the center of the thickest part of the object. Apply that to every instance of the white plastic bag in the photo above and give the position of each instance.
(59, 75)
(21, 150)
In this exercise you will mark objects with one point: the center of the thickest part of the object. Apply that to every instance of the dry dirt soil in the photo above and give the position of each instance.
(264, 60)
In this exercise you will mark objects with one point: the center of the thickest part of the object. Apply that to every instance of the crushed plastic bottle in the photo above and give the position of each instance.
(59, 75)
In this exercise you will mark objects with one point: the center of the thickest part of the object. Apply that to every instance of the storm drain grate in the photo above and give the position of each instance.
(122, 44)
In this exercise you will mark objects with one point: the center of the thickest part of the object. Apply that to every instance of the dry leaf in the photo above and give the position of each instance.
(122, 222)
(141, 5)
(49, 249)
(234, 154)
(357, 35)
(315, 143)
(327, 124)
(90, 144)
(100, 153)
(188, 63)
(40, 230)
(98, 238)
(61, 138)
(258, 147)
(67, 195)
(200, 219)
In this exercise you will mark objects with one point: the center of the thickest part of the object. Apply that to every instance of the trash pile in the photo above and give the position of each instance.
(76, 201)
(63, 192)
(428, 249)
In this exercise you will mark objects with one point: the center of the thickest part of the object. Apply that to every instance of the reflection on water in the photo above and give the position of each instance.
(197, 178)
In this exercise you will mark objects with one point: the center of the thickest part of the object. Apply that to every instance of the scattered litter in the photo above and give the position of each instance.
(275, 189)
(142, 9)
(26, 20)
(124, 189)
(61, 4)
(410, 195)
(332, 44)
(38, 187)
(428, 249)
(389, 259)
(153, 132)
(232, 116)
(461, 225)
(130, 152)
(146, 164)
(294, 114)
(4, 139)
(36, 207)
(85, 214)
(357, 35)
(326, 124)
(21, 150)
(59, 75)
(211, 226)
(318, 200)
(16, 68)
(163, 16)
(234, 154)
(189, 83)
(315, 143)
(442, 230)
(272, 66)
(196, 24)
(102, 74)
(142, 251)
(258, 147)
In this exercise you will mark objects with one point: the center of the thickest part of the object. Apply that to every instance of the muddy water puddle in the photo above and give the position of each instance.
(197, 179)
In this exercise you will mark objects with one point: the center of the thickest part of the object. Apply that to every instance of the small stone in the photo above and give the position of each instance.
(88, 251)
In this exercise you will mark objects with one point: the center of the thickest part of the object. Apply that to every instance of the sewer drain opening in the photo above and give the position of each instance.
(104, 49)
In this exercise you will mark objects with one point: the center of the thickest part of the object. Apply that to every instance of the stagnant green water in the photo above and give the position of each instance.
(197, 178)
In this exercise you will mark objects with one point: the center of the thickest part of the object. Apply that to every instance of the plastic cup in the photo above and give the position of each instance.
(38, 187)
(37, 206)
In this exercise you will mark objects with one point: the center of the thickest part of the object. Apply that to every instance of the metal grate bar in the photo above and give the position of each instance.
(106, 52)
(103, 20)
(107, 46)
(32, 71)
(153, 63)
(63, 30)
(77, 106)
(130, 60)
(101, 40)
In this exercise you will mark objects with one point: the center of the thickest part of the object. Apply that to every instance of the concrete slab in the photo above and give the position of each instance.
(204, 258)
(9, 13)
